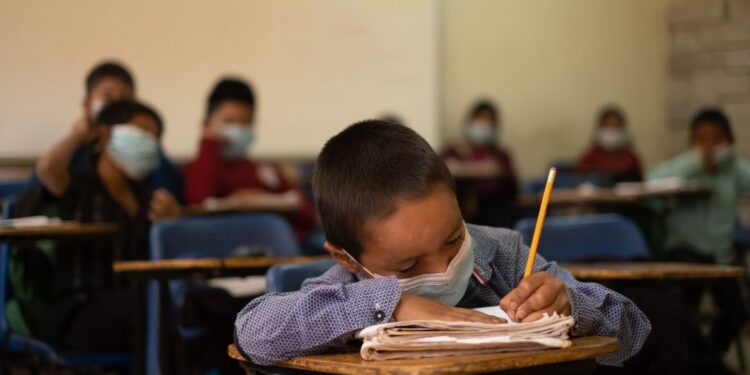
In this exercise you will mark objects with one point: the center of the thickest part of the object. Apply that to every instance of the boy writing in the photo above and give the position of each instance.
(403, 252)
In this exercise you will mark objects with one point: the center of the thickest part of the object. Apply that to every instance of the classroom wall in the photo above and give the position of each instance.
(317, 65)
(551, 65)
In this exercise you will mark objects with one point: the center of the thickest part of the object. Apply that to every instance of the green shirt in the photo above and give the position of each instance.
(705, 224)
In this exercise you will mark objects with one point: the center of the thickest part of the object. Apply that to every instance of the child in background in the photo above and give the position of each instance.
(487, 200)
(611, 153)
(403, 252)
(701, 229)
(107, 82)
(65, 293)
(222, 172)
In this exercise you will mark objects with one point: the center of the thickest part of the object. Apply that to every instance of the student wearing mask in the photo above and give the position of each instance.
(486, 200)
(611, 153)
(701, 229)
(65, 293)
(223, 175)
(107, 82)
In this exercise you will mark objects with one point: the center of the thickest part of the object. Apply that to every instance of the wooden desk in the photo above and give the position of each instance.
(280, 209)
(582, 352)
(636, 271)
(608, 196)
(66, 229)
(211, 267)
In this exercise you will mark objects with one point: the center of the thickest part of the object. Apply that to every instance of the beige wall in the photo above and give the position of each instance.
(318, 65)
(551, 65)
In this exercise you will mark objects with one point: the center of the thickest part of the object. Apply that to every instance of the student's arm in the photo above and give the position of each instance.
(53, 168)
(685, 165)
(588, 162)
(306, 213)
(201, 176)
(597, 310)
(743, 167)
(322, 315)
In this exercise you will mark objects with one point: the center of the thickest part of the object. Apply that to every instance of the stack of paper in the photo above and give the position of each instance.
(428, 338)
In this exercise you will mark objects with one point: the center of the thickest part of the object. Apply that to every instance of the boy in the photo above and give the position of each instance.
(403, 252)
(701, 229)
(107, 82)
(65, 293)
(223, 173)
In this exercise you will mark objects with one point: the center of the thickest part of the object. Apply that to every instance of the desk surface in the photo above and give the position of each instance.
(578, 196)
(651, 271)
(172, 268)
(351, 363)
(68, 228)
(281, 209)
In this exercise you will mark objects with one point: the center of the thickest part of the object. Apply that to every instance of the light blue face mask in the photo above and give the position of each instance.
(481, 133)
(239, 138)
(722, 155)
(134, 150)
(446, 287)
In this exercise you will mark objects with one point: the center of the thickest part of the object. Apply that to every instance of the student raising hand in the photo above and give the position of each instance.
(163, 206)
(535, 296)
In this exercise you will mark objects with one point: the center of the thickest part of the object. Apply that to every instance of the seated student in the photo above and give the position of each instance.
(64, 294)
(107, 82)
(222, 171)
(611, 153)
(490, 200)
(701, 229)
(388, 206)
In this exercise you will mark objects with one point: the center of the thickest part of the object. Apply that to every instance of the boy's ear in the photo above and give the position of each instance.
(340, 257)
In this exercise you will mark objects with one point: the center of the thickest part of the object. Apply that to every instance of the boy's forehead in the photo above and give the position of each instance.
(415, 227)
(113, 85)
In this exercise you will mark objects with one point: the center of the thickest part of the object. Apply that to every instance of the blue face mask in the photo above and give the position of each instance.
(446, 287)
(722, 155)
(239, 138)
(134, 150)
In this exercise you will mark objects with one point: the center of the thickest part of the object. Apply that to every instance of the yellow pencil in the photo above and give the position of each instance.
(540, 222)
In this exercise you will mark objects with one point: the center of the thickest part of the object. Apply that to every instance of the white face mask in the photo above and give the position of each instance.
(446, 287)
(96, 108)
(722, 154)
(239, 137)
(481, 133)
(612, 139)
(134, 150)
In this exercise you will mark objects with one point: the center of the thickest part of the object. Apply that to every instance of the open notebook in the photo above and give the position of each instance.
(429, 338)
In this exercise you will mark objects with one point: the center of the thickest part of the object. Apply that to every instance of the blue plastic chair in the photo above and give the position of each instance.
(209, 237)
(289, 277)
(10, 188)
(590, 237)
(25, 346)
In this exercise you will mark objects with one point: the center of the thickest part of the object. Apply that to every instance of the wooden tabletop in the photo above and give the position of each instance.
(651, 271)
(598, 196)
(65, 229)
(173, 268)
(351, 363)
(281, 209)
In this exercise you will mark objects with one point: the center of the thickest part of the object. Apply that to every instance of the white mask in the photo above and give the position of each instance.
(239, 137)
(96, 108)
(481, 133)
(722, 154)
(612, 139)
(134, 150)
(446, 287)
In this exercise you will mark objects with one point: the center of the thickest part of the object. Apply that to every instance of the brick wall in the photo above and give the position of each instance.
(709, 64)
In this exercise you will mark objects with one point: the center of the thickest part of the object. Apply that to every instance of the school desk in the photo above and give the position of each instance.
(577, 359)
(68, 229)
(207, 267)
(285, 209)
(608, 196)
(650, 271)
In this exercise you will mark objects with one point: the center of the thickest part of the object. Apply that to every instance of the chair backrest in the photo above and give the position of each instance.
(289, 277)
(9, 188)
(219, 236)
(590, 237)
(4, 255)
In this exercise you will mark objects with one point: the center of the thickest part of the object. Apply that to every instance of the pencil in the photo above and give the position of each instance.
(540, 222)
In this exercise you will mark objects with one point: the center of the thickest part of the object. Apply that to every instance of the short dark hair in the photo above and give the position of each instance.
(121, 112)
(361, 173)
(713, 116)
(230, 89)
(108, 69)
(608, 111)
(485, 105)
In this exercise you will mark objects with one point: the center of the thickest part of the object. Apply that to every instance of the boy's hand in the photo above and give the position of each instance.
(163, 206)
(536, 295)
(83, 130)
(708, 159)
(412, 307)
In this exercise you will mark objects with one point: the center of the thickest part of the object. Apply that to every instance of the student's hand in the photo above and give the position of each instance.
(163, 206)
(83, 130)
(412, 307)
(709, 161)
(536, 295)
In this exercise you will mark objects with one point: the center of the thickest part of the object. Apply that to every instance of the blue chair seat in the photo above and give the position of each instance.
(289, 277)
